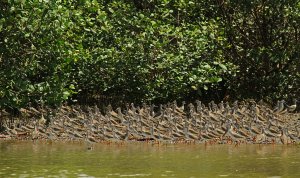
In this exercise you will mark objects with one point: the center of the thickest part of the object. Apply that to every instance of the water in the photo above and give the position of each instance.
(27, 159)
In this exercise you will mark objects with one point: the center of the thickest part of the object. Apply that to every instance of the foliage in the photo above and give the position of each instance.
(147, 51)
(145, 56)
(33, 53)
(263, 40)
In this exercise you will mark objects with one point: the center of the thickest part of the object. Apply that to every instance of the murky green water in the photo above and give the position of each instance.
(27, 159)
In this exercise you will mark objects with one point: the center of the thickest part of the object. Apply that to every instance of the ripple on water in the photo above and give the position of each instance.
(135, 175)
(84, 175)
(262, 158)
(24, 175)
(275, 157)
(169, 171)
(113, 174)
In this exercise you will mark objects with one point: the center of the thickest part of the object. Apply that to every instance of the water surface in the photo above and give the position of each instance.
(27, 159)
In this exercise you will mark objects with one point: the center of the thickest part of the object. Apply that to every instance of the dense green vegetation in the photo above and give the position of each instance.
(147, 51)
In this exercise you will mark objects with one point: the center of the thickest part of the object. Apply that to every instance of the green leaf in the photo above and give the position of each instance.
(223, 66)
(66, 95)
(111, 10)
(194, 87)
(72, 87)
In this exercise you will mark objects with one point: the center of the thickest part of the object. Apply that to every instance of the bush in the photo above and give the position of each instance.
(147, 51)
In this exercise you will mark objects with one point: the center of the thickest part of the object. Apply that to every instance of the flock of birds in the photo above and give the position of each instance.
(241, 122)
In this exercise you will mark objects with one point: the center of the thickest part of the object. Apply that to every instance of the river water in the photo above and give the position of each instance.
(28, 159)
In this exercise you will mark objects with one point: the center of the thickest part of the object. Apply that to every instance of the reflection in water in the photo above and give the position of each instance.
(27, 159)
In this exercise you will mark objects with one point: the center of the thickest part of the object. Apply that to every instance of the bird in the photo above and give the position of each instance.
(35, 133)
(42, 120)
(90, 141)
(261, 138)
(284, 138)
(11, 132)
(125, 135)
(279, 107)
(292, 107)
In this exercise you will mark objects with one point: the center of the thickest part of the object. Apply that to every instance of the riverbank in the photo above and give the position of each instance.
(244, 122)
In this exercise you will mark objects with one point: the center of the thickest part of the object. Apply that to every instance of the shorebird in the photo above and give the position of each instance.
(235, 134)
(42, 121)
(284, 138)
(125, 135)
(261, 138)
(292, 107)
(221, 106)
(35, 133)
(280, 107)
(89, 140)
(11, 132)
(198, 107)
(295, 135)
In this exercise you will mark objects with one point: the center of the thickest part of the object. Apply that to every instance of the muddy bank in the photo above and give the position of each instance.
(243, 122)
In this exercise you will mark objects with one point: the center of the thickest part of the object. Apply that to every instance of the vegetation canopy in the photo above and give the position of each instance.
(147, 51)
